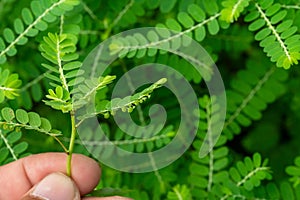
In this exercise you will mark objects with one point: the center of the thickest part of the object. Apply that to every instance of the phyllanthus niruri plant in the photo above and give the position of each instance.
(60, 50)
(64, 67)
(47, 77)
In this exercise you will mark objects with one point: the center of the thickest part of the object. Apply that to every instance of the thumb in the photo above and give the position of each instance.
(55, 186)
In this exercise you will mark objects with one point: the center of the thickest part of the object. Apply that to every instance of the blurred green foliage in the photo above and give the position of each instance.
(255, 44)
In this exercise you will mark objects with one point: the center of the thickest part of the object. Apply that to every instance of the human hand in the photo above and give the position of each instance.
(41, 177)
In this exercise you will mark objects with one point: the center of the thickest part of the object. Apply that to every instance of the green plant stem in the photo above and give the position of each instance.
(61, 144)
(71, 145)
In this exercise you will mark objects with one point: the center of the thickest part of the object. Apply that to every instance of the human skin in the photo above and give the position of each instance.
(18, 177)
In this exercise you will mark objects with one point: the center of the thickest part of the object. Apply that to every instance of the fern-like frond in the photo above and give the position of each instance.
(98, 142)
(127, 104)
(59, 99)
(15, 120)
(85, 91)
(195, 20)
(187, 23)
(179, 192)
(61, 51)
(206, 172)
(246, 175)
(277, 35)
(232, 9)
(252, 90)
(30, 23)
(9, 84)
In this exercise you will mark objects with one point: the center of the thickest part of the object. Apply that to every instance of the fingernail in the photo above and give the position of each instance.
(56, 186)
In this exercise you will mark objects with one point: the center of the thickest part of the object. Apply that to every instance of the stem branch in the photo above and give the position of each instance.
(71, 145)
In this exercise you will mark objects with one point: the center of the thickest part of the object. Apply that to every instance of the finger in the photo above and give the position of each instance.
(19, 176)
(56, 186)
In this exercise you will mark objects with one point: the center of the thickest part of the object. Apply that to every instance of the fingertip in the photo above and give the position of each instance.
(86, 173)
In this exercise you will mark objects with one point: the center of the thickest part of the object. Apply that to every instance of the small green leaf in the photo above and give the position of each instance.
(34, 119)
(57, 11)
(51, 68)
(163, 31)
(2, 58)
(59, 92)
(74, 73)
(173, 24)
(23, 40)
(32, 32)
(284, 26)
(249, 164)
(257, 160)
(9, 35)
(256, 25)
(8, 114)
(152, 36)
(167, 5)
(19, 26)
(286, 191)
(72, 65)
(49, 17)
(242, 168)
(3, 154)
(211, 7)
(273, 191)
(196, 12)
(297, 161)
(293, 171)
(2, 44)
(22, 116)
(36, 8)
(20, 148)
(286, 34)
(45, 124)
(262, 34)
(41, 25)
(185, 19)
(65, 7)
(251, 16)
(27, 16)
(4, 76)
(213, 27)
(278, 17)
(235, 174)
(200, 33)
(14, 137)
(273, 9)
(70, 57)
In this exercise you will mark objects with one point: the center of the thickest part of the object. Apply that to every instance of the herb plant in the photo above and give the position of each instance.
(254, 43)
